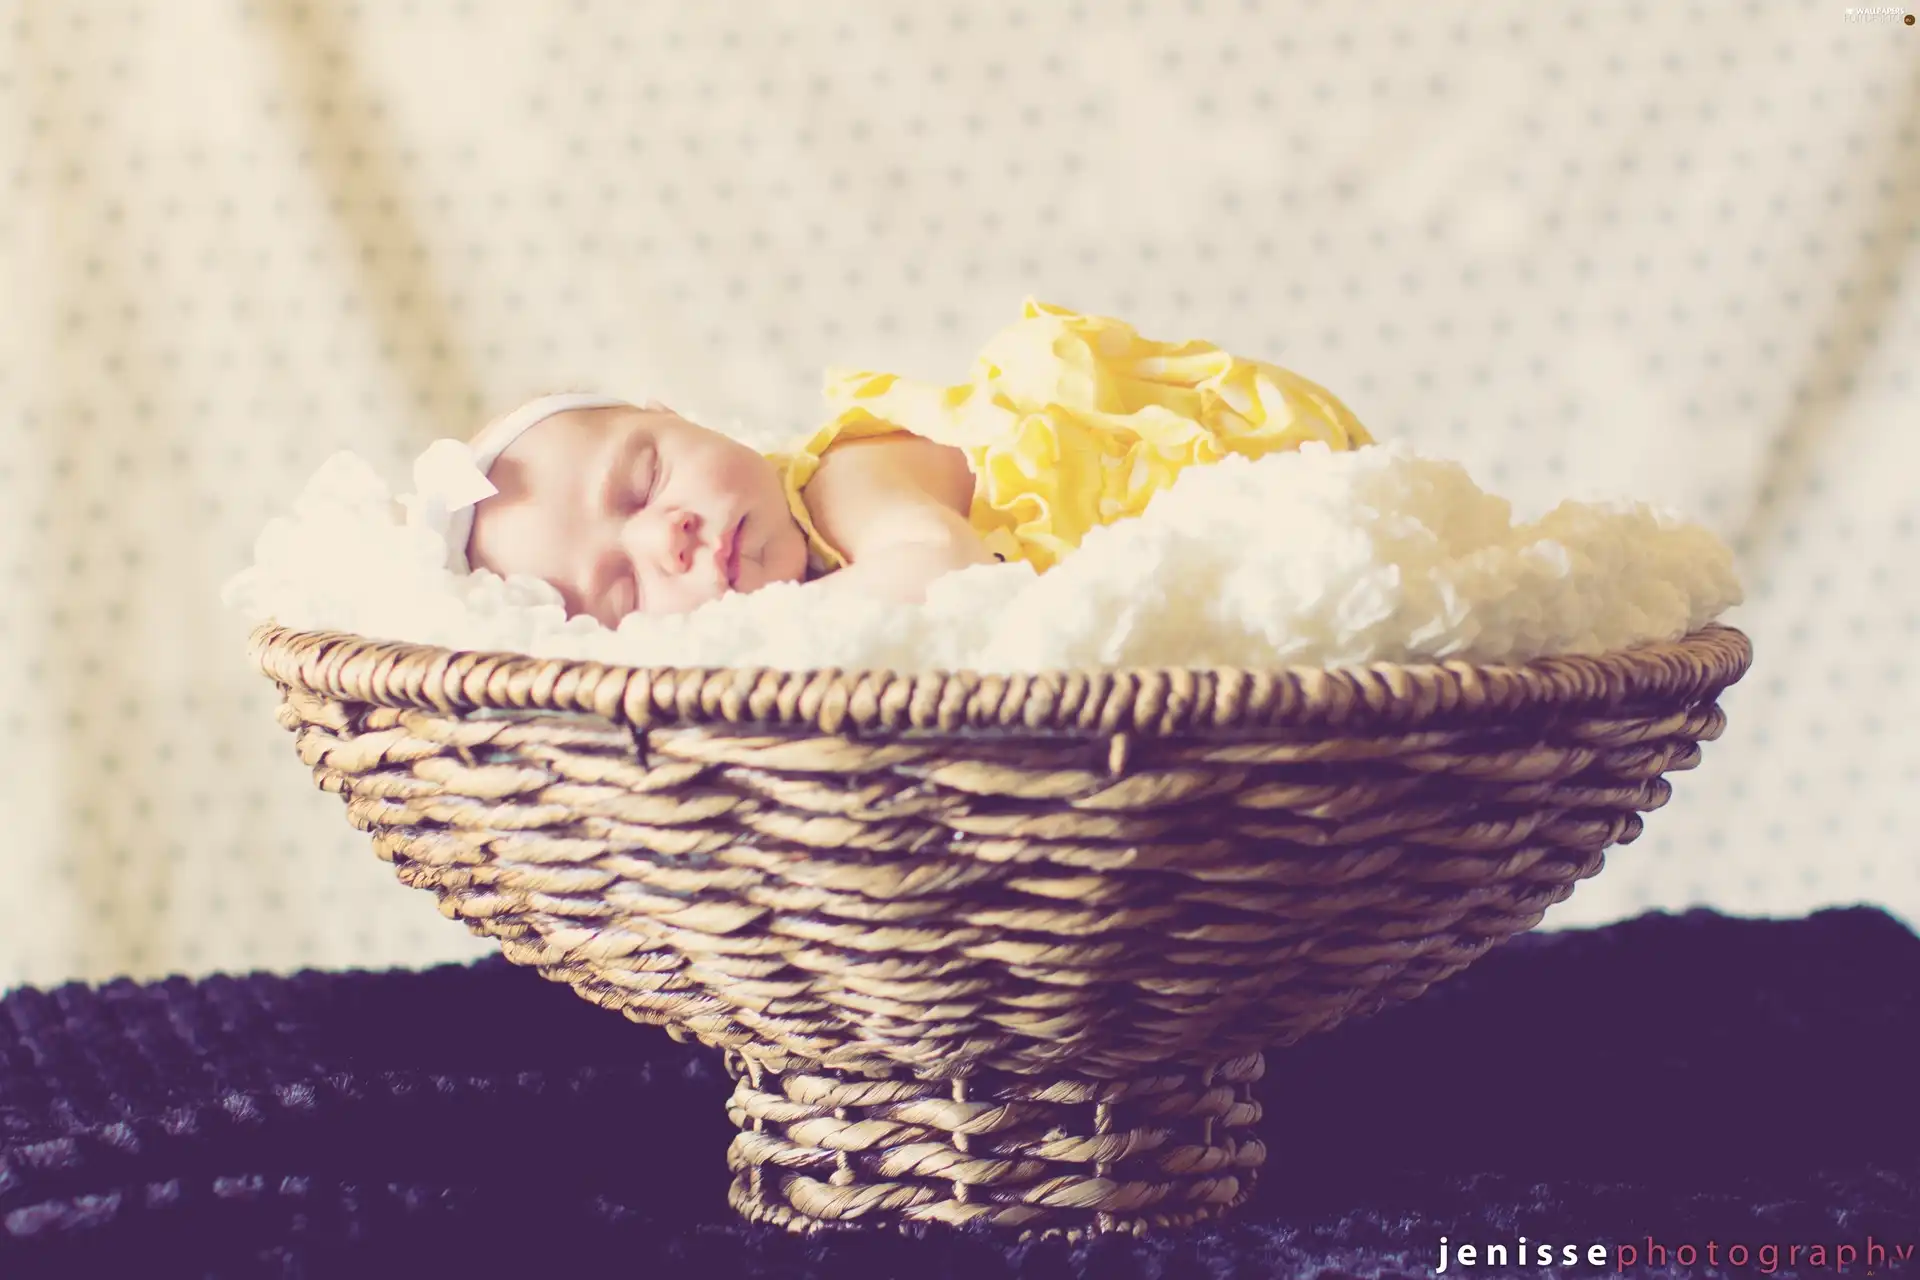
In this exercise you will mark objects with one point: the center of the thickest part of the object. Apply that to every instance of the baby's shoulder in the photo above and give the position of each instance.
(895, 462)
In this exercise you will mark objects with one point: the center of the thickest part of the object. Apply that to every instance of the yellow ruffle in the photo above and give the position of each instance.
(1072, 421)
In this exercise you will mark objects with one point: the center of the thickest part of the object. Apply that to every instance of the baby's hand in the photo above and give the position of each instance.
(902, 573)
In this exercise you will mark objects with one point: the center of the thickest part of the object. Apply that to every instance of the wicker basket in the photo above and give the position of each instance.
(995, 949)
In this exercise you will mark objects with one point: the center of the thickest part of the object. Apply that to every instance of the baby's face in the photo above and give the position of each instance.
(629, 510)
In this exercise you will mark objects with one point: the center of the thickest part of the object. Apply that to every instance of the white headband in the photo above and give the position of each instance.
(450, 478)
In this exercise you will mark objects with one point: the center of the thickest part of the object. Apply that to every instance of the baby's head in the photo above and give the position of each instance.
(625, 509)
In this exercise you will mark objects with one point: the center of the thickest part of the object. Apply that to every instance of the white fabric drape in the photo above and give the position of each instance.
(1660, 251)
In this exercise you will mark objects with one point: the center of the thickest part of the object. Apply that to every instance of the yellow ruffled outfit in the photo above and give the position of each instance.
(1073, 421)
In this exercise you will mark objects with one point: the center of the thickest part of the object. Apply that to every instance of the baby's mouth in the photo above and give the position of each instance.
(730, 553)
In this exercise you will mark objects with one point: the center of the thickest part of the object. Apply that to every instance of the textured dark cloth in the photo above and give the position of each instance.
(1691, 1077)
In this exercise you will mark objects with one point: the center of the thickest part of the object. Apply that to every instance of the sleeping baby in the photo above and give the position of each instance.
(1069, 422)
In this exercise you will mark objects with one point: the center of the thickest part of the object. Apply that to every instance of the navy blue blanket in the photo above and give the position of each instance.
(1660, 1084)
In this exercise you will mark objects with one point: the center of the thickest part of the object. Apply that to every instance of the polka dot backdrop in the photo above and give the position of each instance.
(1657, 251)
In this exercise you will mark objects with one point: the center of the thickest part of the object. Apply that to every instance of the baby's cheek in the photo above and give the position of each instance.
(748, 475)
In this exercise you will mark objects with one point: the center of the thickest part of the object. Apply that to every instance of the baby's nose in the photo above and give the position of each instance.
(681, 541)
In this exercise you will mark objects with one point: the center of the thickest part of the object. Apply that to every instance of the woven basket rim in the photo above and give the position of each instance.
(1151, 701)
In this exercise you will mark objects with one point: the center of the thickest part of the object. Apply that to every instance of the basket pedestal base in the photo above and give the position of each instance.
(819, 1149)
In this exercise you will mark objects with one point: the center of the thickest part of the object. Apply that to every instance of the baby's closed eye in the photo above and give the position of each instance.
(644, 482)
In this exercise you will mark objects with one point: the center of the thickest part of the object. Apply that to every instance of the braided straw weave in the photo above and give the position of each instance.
(1000, 949)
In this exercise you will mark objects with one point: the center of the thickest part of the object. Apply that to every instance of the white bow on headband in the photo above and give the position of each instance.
(446, 479)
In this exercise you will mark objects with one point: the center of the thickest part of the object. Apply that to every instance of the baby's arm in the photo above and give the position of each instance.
(895, 506)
